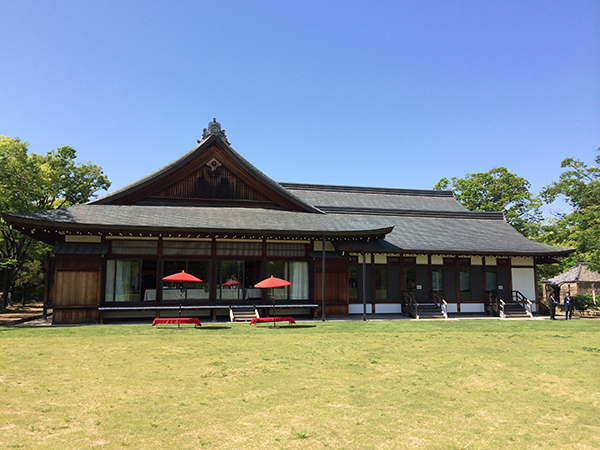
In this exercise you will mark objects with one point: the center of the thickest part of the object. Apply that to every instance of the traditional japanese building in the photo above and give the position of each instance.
(213, 214)
(579, 279)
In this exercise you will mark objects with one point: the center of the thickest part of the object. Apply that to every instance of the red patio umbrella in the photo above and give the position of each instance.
(232, 283)
(272, 282)
(182, 277)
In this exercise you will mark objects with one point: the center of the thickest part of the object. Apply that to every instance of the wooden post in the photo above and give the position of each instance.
(323, 315)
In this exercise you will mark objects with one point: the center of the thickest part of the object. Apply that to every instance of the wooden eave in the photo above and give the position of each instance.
(51, 233)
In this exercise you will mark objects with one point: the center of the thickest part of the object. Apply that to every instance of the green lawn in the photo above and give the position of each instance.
(474, 384)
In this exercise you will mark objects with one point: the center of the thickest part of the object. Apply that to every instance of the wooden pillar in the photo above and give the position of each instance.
(323, 314)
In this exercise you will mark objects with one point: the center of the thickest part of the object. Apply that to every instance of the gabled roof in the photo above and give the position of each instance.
(579, 272)
(212, 155)
(211, 191)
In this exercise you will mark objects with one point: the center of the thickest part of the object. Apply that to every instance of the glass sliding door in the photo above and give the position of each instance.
(296, 272)
(123, 280)
(195, 291)
(230, 280)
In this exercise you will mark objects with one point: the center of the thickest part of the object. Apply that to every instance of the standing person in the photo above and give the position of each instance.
(552, 304)
(568, 307)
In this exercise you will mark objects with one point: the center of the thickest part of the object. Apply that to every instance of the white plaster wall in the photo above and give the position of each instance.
(355, 308)
(452, 308)
(523, 280)
(472, 307)
(380, 259)
(388, 308)
(422, 259)
(519, 261)
(437, 260)
(318, 246)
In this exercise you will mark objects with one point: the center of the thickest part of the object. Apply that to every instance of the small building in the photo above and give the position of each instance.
(211, 213)
(579, 279)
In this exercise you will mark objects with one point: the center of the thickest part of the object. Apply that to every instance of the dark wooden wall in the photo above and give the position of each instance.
(336, 286)
(76, 288)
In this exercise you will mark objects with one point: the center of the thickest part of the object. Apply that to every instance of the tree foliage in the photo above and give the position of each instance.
(579, 185)
(497, 190)
(31, 182)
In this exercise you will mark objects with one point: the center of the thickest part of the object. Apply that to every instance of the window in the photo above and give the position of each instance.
(123, 280)
(353, 283)
(239, 249)
(491, 283)
(134, 247)
(410, 284)
(465, 283)
(195, 291)
(230, 280)
(286, 250)
(296, 272)
(437, 280)
(192, 248)
(380, 282)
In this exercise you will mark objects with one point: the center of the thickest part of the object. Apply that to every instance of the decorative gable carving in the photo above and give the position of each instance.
(212, 181)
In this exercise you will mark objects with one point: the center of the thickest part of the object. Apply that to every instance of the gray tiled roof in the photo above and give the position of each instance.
(408, 220)
(444, 233)
(382, 198)
(424, 220)
(579, 272)
(201, 219)
(463, 235)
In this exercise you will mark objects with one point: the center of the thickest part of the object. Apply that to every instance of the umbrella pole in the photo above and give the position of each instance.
(273, 311)
(181, 295)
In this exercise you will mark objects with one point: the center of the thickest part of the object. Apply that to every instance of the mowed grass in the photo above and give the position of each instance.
(354, 385)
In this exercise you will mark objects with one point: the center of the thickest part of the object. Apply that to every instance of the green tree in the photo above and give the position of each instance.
(579, 186)
(30, 182)
(498, 190)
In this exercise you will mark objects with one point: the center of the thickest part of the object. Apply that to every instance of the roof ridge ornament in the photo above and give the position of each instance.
(214, 129)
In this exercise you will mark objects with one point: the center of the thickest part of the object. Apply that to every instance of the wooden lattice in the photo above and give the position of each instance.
(219, 184)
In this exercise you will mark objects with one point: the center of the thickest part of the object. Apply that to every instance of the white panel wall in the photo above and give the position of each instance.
(388, 308)
(523, 280)
(472, 307)
(355, 308)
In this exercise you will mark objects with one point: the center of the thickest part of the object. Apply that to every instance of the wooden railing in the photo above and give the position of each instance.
(491, 302)
(496, 304)
(412, 307)
(440, 302)
(501, 308)
(518, 297)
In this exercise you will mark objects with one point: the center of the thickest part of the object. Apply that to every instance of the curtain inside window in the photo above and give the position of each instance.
(127, 281)
(299, 279)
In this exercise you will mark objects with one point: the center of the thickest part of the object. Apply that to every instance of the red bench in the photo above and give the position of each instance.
(272, 319)
(161, 320)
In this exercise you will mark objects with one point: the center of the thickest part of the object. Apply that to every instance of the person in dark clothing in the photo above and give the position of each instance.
(568, 307)
(552, 305)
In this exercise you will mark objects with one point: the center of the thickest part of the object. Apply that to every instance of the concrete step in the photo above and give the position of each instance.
(243, 314)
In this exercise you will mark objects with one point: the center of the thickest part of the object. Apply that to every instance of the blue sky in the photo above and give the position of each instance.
(380, 93)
